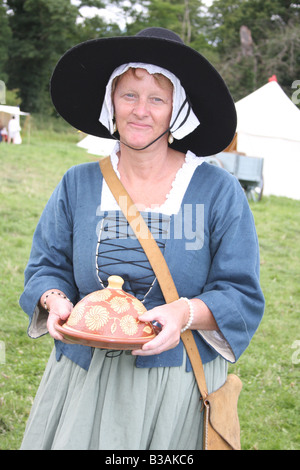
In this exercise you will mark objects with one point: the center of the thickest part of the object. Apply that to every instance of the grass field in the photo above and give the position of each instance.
(269, 369)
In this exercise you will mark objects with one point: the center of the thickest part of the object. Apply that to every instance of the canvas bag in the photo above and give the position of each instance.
(221, 422)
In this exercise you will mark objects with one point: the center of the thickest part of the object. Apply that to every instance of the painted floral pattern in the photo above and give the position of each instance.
(100, 295)
(96, 317)
(139, 307)
(110, 312)
(77, 314)
(119, 304)
(147, 330)
(129, 325)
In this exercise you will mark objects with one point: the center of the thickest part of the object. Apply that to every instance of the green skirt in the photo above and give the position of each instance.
(116, 406)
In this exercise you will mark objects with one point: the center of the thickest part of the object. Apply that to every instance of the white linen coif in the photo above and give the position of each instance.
(179, 97)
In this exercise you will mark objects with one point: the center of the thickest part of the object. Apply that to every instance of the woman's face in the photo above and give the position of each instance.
(143, 107)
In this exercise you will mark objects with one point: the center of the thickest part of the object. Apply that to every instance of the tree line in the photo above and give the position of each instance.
(246, 40)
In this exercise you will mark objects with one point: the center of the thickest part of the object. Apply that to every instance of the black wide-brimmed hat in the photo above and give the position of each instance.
(80, 77)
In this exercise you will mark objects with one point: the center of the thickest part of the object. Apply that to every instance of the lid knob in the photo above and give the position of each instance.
(115, 282)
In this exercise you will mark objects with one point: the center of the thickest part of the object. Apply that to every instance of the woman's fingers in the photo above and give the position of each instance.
(53, 318)
(171, 317)
(59, 311)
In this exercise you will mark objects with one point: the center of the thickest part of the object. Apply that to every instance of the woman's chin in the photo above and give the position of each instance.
(141, 142)
(136, 143)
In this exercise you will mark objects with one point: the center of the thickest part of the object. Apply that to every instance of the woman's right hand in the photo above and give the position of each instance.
(59, 308)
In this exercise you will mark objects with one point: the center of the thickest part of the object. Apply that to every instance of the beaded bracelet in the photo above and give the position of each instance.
(191, 317)
(56, 293)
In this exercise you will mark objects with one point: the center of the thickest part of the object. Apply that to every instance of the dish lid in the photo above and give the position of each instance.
(108, 319)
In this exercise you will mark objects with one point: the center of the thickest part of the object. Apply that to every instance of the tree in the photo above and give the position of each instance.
(5, 38)
(96, 26)
(260, 16)
(42, 30)
(181, 16)
(247, 40)
(280, 55)
(273, 25)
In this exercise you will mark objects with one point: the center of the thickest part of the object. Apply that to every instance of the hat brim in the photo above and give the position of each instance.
(81, 75)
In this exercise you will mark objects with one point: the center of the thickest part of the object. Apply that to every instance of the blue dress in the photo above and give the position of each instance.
(212, 251)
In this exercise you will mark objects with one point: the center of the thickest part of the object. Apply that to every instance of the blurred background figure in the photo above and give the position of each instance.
(3, 133)
(14, 129)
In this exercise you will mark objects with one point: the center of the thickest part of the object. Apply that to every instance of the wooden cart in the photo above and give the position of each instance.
(248, 170)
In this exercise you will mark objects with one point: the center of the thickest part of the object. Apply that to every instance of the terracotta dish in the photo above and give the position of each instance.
(108, 319)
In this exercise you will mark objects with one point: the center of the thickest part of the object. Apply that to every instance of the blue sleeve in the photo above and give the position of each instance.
(232, 290)
(50, 265)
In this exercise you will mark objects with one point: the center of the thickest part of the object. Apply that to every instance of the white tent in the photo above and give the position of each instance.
(269, 127)
(7, 112)
(97, 145)
(12, 110)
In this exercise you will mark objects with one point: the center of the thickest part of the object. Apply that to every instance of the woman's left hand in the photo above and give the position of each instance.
(172, 318)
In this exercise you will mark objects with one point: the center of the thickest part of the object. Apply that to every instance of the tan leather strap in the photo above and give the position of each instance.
(156, 260)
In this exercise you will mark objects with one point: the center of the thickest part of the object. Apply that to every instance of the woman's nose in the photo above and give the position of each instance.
(141, 108)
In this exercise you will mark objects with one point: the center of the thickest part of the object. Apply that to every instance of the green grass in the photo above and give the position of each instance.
(269, 369)
(29, 173)
(269, 404)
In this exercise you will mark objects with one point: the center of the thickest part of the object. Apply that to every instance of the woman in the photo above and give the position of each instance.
(162, 113)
